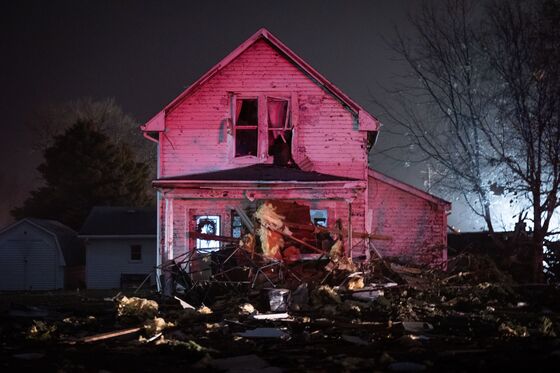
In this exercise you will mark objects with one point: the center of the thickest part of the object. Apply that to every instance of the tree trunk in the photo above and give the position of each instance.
(538, 239)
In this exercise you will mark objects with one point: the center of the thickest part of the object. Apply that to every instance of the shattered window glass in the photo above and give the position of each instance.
(279, 131)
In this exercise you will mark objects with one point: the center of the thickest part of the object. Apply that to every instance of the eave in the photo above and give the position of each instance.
(366, 121)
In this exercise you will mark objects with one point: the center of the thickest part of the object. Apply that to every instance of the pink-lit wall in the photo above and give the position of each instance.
(326, 136)
(417, 225)
(196, 138)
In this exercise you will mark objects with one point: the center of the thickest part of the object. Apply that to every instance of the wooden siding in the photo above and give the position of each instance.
(196, 139)
(107, 259)
(30, 260)
(418, 226)
(184, 212)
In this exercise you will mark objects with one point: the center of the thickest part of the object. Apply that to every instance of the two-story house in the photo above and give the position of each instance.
(264, 125)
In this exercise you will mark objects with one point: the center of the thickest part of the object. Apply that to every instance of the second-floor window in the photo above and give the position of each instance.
(246, 127)
(263, 127)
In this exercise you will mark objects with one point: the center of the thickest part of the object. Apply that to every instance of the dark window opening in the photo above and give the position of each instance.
(246, 127)
(246, 142)
(247, 112)
(136, 252)
(236, 225)
(279, 131)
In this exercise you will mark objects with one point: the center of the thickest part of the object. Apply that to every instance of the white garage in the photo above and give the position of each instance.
(34, 254)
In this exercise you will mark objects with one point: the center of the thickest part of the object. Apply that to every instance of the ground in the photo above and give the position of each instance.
(433, 322)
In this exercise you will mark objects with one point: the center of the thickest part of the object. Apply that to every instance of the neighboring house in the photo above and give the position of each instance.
(120, 246)
(264, 125)
(39, 254)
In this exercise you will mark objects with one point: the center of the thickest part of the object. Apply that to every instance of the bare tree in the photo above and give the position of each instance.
(441, 104)
(522, 43)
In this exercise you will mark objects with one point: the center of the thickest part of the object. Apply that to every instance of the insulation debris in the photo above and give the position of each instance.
(156, 326)
(137, 308)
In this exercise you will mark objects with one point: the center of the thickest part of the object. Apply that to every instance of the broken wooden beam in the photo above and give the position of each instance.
(109, 335)
(213, 237)
(311, 247)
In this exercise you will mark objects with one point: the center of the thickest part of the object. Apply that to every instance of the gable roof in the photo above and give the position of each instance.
(70, 245)
(408, 188)
(259, 172)
(366, 121)
(111, 221)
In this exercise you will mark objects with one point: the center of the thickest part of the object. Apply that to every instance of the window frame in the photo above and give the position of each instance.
(217, 244)
(235, 99)
(262, 126)
(130, 256)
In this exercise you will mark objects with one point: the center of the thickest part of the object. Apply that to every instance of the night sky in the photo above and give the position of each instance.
(144, 53)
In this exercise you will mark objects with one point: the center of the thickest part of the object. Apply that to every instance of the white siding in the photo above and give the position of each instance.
(29, 259)
(107, 259)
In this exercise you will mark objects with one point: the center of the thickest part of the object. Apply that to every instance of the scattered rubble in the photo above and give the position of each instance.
(322, 310)
(136, 308)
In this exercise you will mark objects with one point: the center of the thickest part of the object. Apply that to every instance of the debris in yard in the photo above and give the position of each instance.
(41, 331)
(452, 325)
(300, 297)
(417, 327)
(546, 327)
(355, 281)
(324, 295)
(272, 316)
(246, 309)
(278, 299)
(156, 325)
(368, 295)
(137, 308)
(184, 304)
(110, 335)
(203, 310)
(264, 333)
(512, 330)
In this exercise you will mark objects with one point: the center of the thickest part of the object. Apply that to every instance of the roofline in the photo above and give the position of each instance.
(372, 123)
(165, 181)
(28, 220)
(236, 184)
(121, 236)
(407, 188)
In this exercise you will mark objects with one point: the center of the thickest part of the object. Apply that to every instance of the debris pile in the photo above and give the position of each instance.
(387, 316)
(286, 297)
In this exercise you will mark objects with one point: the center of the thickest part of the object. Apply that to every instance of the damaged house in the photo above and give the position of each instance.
(264, 126)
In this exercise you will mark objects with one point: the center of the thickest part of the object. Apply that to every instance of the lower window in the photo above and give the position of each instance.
(207, 224)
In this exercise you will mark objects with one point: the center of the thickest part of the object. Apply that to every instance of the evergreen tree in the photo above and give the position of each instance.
(84, 168)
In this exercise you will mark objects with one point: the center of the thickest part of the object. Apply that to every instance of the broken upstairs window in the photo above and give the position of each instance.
(279, 131)
(246, 127)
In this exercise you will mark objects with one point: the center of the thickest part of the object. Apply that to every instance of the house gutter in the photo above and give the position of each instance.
(147, 136)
